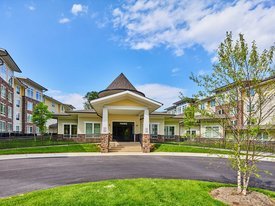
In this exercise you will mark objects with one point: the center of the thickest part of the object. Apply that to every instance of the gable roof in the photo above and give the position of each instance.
(9, 60)
(31, 82)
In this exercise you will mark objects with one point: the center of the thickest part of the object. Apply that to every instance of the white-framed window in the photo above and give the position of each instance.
(263, 136)
(29, 106)
(9, 127)
(2, 126)
(2, 109)
(17, 116)
(10, 96)
(9, 112)
(29, 129)
(212, 132)
(53, 104)
(3, 71)
(250, 108)
(220, 111)
(169, 130)
(154, 129)
(38, 96)
(18, 89)
(18, 103)
(202, 106)
(3, 91)
(10, 77)
(92, 129)
(213, 103)
(29, 118)
(191, 133)
(17, 128)
(30, 92)
(70, 130)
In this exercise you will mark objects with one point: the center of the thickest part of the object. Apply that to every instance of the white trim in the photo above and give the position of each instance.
(93, 128)
(125, 108)
(157, 123)
(68, 123)
(123, 93)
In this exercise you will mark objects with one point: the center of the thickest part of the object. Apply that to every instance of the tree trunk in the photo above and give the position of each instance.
(239, 181)
(245, 186)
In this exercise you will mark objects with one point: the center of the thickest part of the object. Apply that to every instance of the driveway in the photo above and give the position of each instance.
(24, 175)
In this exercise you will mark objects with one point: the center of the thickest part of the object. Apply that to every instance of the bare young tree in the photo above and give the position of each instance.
(243, 85)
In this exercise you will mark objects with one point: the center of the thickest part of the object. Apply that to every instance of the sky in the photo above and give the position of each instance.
(72, 47)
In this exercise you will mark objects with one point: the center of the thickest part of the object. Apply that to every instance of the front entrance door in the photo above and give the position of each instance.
(123, 131)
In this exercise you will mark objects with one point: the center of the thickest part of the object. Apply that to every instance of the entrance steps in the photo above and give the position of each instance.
(125, 147)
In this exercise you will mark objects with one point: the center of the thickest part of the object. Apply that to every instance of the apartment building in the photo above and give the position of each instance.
(7, 69)
(28, 94)
(216, 124)
(56, 107)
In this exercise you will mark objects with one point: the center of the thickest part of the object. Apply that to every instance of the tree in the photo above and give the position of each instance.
(89, 97)
(243, 87)
(41, 115)
(189, 117)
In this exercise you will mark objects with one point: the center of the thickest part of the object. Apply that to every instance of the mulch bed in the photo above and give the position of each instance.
(230, 196)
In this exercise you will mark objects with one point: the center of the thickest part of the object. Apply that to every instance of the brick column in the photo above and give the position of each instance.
(146, 143)
(104, 143)
(146, 133)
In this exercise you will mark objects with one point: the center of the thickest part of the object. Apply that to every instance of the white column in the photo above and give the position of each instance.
(104, 125)
(146, 122)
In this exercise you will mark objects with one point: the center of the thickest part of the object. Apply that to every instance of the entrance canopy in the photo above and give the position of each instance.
(123, 102)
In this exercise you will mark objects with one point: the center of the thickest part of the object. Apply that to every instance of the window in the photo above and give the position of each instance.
(38, 96)
(2, 109)
(9, 112)
(9, 127)
(154, 130)
(213, 103)
(191, 133)
(29, 118)
(62, 108)
(2, 126)
(30, 92)
(221, 111)
(212, 132)
(37, 130)
(263, 136)
(17, 116)
(18, 103)
(29, 129)
(70, 130)
(202, 106)
(249, 107)
(10, 77)
(4, 72)
(3, 91)
(178, 110)
(169, 131)
(30, 106)
(18, 89)
(92, 129)
(53, 104)
(17, 128)
(10, 97)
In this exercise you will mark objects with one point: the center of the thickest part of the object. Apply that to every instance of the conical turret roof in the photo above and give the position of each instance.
(121, 83)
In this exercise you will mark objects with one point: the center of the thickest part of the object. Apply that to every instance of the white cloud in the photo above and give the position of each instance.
(181, 24)
(31, 8)
(163, 93)
(74, 99)
(175, 71)
(64, 20)
(79, 9)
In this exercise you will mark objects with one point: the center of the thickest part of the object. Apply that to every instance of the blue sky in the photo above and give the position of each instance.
(72, 47)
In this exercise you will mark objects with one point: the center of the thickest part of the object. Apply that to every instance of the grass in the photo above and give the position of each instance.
(87, 147)
(30, 142)
(150, 192)
(174, 147)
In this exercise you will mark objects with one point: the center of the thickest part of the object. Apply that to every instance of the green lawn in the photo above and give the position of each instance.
(18, 143)
(124, 192)
(87, 147)
(174, 147)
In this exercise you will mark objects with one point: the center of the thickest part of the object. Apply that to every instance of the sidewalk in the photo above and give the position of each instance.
(98, 154)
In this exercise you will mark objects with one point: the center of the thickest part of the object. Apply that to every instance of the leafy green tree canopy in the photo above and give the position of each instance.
(41, 115)
(89, 97)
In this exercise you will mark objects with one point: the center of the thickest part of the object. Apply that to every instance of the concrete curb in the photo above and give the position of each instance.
(97, 154)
